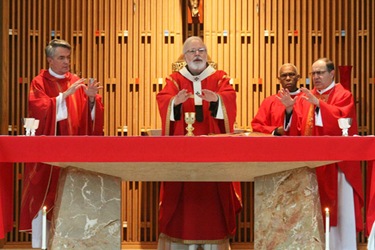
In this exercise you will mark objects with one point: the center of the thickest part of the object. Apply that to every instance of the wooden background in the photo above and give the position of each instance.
(129, 46)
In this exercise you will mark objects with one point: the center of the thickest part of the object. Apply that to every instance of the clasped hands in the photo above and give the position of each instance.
(206, 95)
(91, 89)
(286, 99)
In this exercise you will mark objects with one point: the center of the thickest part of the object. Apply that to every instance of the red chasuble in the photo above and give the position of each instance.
(40, 180)
(269, 116)
(336, 103)
(199, 212)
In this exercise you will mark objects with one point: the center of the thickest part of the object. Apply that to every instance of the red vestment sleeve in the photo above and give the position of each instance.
(270, 116)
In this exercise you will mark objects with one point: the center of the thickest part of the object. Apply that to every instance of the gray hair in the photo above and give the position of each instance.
(51, 47)
(288, 64)
(189, 40)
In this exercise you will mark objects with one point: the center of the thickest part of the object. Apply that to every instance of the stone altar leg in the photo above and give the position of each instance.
(287, 211)
(87, 211)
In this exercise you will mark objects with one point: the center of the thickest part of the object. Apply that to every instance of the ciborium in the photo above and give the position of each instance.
(190, 119)
(345, 124)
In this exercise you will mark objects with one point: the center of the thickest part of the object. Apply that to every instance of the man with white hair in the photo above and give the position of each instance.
(197, 215)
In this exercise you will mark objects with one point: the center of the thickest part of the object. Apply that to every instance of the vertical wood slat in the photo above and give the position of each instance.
(117, 35)
(24, 22)
(124, 211)
(4, 66)
(122, 13)
(242, 39)
(367, 61)
(258, 36)
(159, 58)
(297, 26)
(271, 45)
(129, 62)
(145, 111)
(154, 120)
(141, 74)
(250, 59)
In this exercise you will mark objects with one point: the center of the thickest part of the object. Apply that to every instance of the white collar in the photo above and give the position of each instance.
(55, 74)
(322, 91)
(205, 73)
(295, 92)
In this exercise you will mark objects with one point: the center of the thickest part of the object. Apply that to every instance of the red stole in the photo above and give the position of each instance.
(310, 121)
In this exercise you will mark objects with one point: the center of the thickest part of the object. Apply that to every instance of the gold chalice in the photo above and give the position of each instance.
(190, 119)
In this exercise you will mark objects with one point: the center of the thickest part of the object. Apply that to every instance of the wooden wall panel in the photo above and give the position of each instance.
(4, 67)
(129, 46)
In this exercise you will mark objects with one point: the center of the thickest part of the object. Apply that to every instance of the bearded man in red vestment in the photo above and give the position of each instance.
(316, 113)
(270, 116)
(64, 105)
(197, 213)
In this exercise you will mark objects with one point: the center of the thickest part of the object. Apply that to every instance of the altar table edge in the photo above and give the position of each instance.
(185, 149)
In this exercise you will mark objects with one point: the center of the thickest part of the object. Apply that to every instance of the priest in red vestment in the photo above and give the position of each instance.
(316, 113)
(197, 213)
(64, 105)
(270, 116)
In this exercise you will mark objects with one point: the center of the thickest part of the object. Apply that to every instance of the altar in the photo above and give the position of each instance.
(201, 158)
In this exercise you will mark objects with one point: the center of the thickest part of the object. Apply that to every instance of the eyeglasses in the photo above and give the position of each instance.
(193, 51)
(285, 75)
(318, 73)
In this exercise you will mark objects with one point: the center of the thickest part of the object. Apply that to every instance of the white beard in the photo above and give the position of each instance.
(197, 66)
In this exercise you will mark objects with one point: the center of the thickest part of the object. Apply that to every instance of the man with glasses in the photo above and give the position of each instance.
(270, 116)
(316, 113)
(197, 214)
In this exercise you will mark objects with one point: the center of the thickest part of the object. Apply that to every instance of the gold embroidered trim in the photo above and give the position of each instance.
(168, 120)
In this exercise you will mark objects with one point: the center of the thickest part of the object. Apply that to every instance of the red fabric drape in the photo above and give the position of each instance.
(345, 76)
(370, 218)
(6, 199)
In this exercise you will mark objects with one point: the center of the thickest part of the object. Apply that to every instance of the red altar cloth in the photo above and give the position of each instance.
(174, 148)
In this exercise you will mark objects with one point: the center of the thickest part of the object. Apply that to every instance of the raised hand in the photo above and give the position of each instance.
(92, 89)
(286, 99)
(73, 88)
(208, 95)
(310, 97)
(181, 97)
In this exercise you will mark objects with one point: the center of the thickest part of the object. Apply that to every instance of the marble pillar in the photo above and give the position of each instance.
(287, 211)
(87, 211)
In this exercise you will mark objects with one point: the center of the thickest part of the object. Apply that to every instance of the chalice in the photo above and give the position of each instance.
(345, 124)
(190, 119)
(29, 122)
